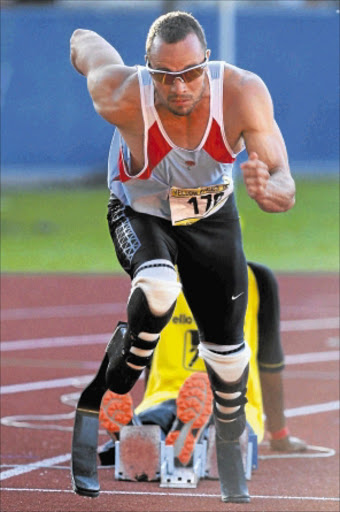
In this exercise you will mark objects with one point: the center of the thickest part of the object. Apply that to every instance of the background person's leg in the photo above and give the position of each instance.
(271, 361)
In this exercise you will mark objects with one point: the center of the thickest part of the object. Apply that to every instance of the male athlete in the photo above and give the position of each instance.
(181, 121)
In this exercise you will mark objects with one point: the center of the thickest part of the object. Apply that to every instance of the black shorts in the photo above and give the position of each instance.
(209, 257)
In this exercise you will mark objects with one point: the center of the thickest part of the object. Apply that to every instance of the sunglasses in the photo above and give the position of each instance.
(168, 77)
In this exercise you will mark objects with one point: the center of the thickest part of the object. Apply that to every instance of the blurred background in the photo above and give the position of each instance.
(54, 146)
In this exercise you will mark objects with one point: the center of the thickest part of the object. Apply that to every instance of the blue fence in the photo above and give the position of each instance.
(47, 118)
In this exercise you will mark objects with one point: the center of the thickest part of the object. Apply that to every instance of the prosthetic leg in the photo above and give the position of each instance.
(152, 300)
(228, 375)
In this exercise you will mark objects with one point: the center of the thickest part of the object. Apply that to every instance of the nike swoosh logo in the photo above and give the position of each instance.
(234, 297)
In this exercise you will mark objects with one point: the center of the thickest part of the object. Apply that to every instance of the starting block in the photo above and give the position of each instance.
(183, 477)
(141, 455)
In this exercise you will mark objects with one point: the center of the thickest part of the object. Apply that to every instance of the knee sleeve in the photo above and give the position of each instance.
(158, 280)
(228, 375)
(152, 301)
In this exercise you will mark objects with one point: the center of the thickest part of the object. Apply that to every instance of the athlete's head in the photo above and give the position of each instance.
(174, 27)
(176, 43)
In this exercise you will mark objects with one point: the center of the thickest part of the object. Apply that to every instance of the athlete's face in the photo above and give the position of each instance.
(180, 96)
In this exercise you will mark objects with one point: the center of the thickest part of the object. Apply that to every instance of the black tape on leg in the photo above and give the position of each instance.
(229, 426)
(120, 376)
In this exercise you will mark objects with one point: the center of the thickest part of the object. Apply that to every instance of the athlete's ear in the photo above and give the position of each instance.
(145, 58)
(207, 54)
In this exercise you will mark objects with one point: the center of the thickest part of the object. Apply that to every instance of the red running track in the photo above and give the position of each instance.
(54, 331)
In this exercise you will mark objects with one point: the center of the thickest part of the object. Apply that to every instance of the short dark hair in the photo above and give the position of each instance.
(173, 27)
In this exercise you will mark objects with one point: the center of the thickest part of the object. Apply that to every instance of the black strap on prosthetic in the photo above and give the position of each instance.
(140, 319)
(120, 376)
(226, 428)
(143, 345)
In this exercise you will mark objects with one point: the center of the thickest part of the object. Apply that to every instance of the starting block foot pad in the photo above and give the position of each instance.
(138, 453)
(231, 472)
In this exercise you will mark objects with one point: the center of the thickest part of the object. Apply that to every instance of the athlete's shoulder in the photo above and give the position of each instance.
(241, 80)
(243, 89)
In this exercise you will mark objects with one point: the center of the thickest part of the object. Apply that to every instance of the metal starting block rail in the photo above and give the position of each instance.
(182, 477)
(141, 455)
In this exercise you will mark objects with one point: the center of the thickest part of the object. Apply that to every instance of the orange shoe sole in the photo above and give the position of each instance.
(115, 411)
(194, 409)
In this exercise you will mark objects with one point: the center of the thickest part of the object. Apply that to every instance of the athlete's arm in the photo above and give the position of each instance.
(266, 173)
(109, 81)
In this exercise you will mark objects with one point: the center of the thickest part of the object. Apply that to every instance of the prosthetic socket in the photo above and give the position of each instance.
(152, 301)
(228, 375)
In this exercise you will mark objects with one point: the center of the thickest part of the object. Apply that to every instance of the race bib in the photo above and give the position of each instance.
(188, 205)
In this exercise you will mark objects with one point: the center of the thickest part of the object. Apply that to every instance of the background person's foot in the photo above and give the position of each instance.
(288, 444)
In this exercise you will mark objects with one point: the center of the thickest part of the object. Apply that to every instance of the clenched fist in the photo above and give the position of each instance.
(255, 176)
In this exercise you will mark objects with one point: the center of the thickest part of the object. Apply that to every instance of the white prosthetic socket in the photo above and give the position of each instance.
(156, 286)
(228, 374)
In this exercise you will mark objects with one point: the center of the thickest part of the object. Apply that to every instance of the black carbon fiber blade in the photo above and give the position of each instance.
(231, 472)
(85, 436)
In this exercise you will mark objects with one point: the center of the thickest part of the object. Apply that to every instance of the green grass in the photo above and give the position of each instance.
(305, 238)
(64, 230)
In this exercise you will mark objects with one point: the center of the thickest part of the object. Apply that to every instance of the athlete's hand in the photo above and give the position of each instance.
(255, 176)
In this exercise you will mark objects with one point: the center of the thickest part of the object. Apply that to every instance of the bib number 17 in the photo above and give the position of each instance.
(211, 199)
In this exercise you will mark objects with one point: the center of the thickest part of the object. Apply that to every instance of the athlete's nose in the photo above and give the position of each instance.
(178, 84)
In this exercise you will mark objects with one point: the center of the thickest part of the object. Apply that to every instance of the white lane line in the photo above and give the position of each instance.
(310, 324)
(177, 494)
(76, 310)
(62, 341)
(312, 409)
(20, 470)
(73, 310)
(59, 341)
(311, 357)
(317, 453)
(44, 384)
